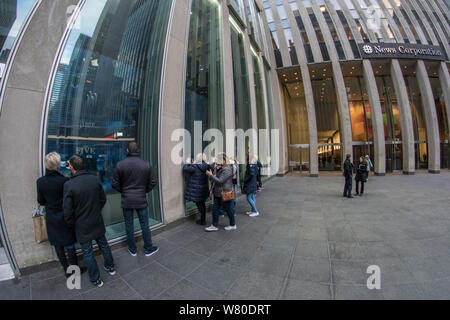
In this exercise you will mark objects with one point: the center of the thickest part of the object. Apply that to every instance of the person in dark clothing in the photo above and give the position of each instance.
(259, 175)
(50, 190)
(361, 175)
(84, 199)
(222, 180)
(197, 188)
(348, 174)
(134, 178)
(251, 186)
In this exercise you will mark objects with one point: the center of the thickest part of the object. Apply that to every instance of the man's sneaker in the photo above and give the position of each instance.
(98, 283)
(110, 270)
(255, 214)
(229, 228)
(134, 254)
(248, 213)
(151, 252)
(211, 229)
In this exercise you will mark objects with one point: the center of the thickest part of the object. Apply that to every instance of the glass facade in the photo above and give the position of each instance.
(327, 117)
(204, 70)
(391, 120)
(106, 93)
(419, 123)
(12, 16)
(242, 103)
(204, 74)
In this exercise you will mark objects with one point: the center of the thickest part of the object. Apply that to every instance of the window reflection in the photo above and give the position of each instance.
(12, 15)
(106, 92)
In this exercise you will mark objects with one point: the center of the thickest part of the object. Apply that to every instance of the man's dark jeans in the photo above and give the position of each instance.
(89, 259)
(227, 206)
(348, 186)
(129, 226)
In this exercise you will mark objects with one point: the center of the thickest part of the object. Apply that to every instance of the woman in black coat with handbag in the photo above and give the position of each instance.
(361, 175)
(198, 188)
(50, 194)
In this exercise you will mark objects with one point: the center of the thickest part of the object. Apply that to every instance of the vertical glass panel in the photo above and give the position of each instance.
(269, 97)
(12, 16)
(359, 109)
(419, 124)
(204, 71)
(328, 124)
(391, 120)
(259, 92)
(241, 82)
(297, 126)
(242, 102)
(106, 93)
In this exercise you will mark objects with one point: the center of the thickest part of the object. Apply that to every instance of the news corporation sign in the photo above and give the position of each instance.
(400, 51)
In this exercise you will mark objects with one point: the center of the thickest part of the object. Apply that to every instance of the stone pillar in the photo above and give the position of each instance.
(444, 78)
(377, 119)
(431, 119)
(172, 117)
(20, 125)
(406, 122)
(228, 85)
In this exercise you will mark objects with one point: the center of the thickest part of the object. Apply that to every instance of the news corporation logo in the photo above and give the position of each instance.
(367, 49)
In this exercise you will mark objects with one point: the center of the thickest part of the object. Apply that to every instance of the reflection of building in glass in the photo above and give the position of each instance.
(8, 14)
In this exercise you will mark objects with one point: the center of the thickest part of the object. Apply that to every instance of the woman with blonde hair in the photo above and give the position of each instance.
(197, 189)
(222, 181)
(50, 194)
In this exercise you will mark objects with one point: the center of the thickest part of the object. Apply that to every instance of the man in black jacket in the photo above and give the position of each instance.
(84, 199)
(348, 174)
(134, 178)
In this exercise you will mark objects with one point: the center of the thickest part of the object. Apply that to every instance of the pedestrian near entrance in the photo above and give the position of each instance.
(361, 176)
(84, 199)
(348, 174)
(50, 191)
(222, 182)
(197, 189)
(369, 166)
(251, 186)
(134, 178)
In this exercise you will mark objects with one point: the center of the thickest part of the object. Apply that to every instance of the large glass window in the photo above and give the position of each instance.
(297, 125)
(106, 93)
(12, 16)
(242, 104)
(327, 116)
(360, 112)
(391, 119)
(419, 124)
(204, 73)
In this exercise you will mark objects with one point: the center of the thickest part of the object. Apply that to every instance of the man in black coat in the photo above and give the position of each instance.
(348, 174)
(84, 199)
(134, 178)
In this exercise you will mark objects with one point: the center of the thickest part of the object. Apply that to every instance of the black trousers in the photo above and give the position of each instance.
(202, 209)
(71, 253)
(348, 186)
(357, 187)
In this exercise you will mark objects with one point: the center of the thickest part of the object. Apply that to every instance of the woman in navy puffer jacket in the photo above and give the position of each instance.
(251, 186)
(197, 189)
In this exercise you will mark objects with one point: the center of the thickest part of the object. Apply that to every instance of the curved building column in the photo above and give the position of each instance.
(431, 119)
(228, 85)
(172, 117)
(20, 124)
(444, 78)
(377, 119)
(406, 122)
